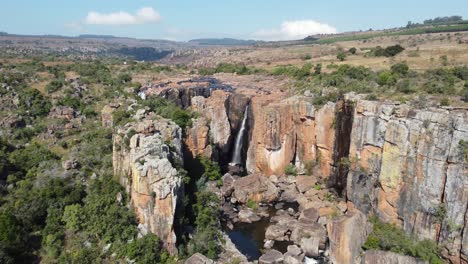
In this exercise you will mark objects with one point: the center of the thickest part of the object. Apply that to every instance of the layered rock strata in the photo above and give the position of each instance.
(146, 157)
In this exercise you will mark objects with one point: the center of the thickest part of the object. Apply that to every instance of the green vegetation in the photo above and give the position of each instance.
(463, 146)
(240, 69)
(207, 237)
(211, 170)
(389, 51)
(290, 170)
(341, 56)
(412, 31)
(55, 85)
(391, 238)
(398, 80)
(252, 204)
(293, 72)
(169, 110)
(352, 50)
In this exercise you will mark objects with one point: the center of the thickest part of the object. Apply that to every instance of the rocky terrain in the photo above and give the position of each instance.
(353, 159)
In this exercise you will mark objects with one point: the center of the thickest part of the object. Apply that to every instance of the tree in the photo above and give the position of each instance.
(341, 56)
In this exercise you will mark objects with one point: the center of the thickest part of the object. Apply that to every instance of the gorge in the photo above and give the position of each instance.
(354, 159)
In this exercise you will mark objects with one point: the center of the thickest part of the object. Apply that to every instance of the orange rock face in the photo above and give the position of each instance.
(291, 131)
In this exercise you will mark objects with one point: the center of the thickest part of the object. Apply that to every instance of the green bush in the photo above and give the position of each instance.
(167, 109)
(341, 56)
(211, 170)
(146, 250)
(444, 101)
(400, 68)
(290, 170)
(388, 237)
(33, 103)
(55, 85)
(389, 51)
(252, 204)
(207, 237)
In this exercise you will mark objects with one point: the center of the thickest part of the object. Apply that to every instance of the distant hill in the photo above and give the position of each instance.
(97, 36)
(222, 42)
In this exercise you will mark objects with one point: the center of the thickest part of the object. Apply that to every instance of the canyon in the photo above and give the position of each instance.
(386, 159)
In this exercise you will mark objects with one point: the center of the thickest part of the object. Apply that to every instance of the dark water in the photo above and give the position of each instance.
(249, 238)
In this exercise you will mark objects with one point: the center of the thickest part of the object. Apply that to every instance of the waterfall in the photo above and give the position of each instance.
(237, 157)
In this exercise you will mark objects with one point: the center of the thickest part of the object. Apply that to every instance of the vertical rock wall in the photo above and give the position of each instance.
(408, 168)
(144, 159)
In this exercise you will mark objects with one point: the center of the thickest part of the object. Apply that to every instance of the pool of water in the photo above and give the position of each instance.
(249, 238)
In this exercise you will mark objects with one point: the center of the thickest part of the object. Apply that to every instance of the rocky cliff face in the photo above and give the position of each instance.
(291, 131)
(145, 159)
(407, 166)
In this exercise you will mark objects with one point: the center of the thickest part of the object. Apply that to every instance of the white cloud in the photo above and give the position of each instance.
(144, 15)
(297, 29)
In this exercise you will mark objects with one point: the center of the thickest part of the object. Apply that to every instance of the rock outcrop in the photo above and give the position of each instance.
(291, 131)
(146, 157)
(408, 167)
(347, 234)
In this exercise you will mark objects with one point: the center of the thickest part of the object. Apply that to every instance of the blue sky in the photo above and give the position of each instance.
(187, 19)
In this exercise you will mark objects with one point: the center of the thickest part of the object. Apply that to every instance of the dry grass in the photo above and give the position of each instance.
(422, 52)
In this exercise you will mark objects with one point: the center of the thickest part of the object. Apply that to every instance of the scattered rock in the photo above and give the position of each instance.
(309, 215)
(304, 230)
(271, 257)
(305, 183)
(255, 187)
(198, 258)
(269, 244)
(70, 164)
(310, 246)
(248, 216)
(276, 232)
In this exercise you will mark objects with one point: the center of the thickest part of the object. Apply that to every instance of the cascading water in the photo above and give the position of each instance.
(237, 156)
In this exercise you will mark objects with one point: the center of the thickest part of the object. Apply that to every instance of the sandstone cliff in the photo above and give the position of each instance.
(407, 166)
(145, 159)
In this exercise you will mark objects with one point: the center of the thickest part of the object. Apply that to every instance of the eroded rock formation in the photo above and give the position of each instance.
(408, 168)
(146, 156)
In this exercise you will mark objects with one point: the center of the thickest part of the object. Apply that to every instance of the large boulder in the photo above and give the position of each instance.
(309, 230)
(146, 157)
(386, 257)
(271, 257)
(255, 187)
(347, 234)
(198, 258)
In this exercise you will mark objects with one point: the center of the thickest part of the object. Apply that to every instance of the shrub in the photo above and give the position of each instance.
(389, 51)
(444, 101)
(211, 169)
(33, 103)
(146, 250)
(252, 204)
(206, 239)
(352, 50)
(341, 56)
(306, 57)
(167, 109)
(400, 68)
(55, 85)
(388, 237)
(290, 170)
(463, 146)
